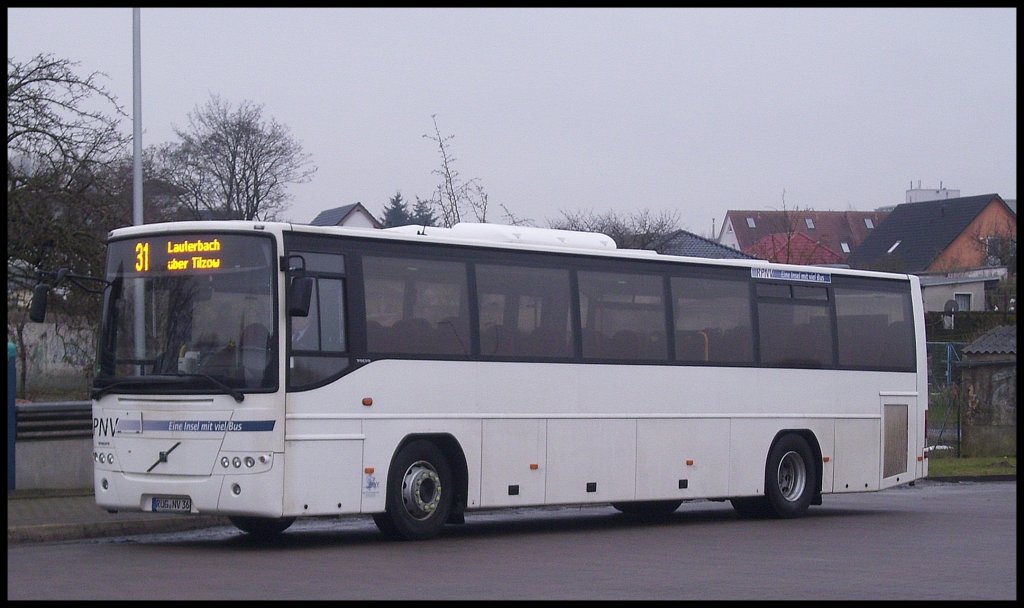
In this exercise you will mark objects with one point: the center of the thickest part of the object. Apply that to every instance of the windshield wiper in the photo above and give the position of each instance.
(98, 392)
(237, 394)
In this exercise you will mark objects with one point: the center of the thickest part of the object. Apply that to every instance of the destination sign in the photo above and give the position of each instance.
(191, 254)
(791, 275)
(178, 255)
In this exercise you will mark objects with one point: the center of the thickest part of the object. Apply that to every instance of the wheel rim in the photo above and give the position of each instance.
(421, 490)
(792, 476)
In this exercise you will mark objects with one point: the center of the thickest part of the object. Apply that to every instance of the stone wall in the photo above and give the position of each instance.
(989, 393)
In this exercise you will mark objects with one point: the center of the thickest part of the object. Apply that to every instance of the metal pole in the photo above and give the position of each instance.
(137, 116)
(140, 304)
(12, 416)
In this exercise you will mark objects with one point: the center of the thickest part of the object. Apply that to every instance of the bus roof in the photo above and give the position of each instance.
(489, 235)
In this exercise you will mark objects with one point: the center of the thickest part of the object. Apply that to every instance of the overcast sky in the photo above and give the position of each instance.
(695, 110)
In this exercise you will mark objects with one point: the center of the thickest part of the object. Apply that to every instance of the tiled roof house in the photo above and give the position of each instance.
(938, 236)
(794, 249)
(682, 242)
(835, 233)
(1000, 340)
(354, 215)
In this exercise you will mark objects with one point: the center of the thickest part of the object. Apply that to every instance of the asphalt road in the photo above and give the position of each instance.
(931, 541)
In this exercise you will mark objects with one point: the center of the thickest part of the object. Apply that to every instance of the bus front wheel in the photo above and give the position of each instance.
(419, 493)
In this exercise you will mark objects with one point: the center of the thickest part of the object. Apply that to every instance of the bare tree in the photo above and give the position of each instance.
(457, 200)
(49, 123)
(62, 139)
(453, 197)
(781, 244)
(994, 243)
(233, 163)
(640, 229)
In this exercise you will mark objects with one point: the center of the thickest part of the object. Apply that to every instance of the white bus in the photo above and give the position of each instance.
(449, 370)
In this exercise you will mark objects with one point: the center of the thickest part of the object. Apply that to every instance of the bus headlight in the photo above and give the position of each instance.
(243, 463)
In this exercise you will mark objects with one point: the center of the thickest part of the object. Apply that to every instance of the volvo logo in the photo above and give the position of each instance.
(163, 457)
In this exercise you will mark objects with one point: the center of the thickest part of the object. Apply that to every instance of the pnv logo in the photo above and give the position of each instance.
(104, 426)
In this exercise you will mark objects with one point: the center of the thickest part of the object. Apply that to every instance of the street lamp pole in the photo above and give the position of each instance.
(140, 302)
(137, 117)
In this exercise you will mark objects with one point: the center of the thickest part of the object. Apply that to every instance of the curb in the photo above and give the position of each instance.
(959, 478)
(60, 532)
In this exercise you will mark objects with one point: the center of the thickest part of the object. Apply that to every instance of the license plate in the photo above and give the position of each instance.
(172, 504)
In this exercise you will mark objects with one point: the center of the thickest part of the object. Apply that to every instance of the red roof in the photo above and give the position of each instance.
(793, 249)
(830, 228)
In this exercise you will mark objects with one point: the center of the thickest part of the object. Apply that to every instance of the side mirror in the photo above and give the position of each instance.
(300, 293)
(37, 312)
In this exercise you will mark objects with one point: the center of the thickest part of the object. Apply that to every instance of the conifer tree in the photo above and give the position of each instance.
(396, 213)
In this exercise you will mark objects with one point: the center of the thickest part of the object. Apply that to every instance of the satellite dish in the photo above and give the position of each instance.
(951, 307)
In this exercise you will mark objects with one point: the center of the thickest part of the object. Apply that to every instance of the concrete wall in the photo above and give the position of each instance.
(936, 296)
(59, 360)
(53, 463)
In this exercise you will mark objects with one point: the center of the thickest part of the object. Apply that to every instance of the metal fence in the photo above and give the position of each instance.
(944, 381)
(57, 420)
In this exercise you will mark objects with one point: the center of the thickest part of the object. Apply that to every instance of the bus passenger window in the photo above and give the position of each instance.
(416, 306)
(712, 320)
(622, 316)
(875, 325)
(794, 326)
(524, 312)
(318, 340)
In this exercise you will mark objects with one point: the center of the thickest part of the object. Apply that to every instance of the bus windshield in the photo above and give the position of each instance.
(189, 313)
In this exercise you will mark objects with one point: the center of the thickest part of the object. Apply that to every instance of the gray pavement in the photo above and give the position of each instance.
(58, 515)
(55, 515)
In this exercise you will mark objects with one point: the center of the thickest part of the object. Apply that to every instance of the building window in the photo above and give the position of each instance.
(845, 246)
(869, 223)
(750, 223)
(809, 222)
(963, 301)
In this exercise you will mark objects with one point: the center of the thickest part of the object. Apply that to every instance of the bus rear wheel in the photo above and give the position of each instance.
(419, 493)
(264, 527)
(790, 477)
(790, 482)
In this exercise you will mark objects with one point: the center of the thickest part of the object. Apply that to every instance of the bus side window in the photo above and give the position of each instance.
(318, 340)
(622, 316)
(712, 320)
(416, 306)
(875, 326)
(524, 312)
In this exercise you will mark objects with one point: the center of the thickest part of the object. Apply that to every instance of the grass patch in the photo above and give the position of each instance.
(949, 466)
